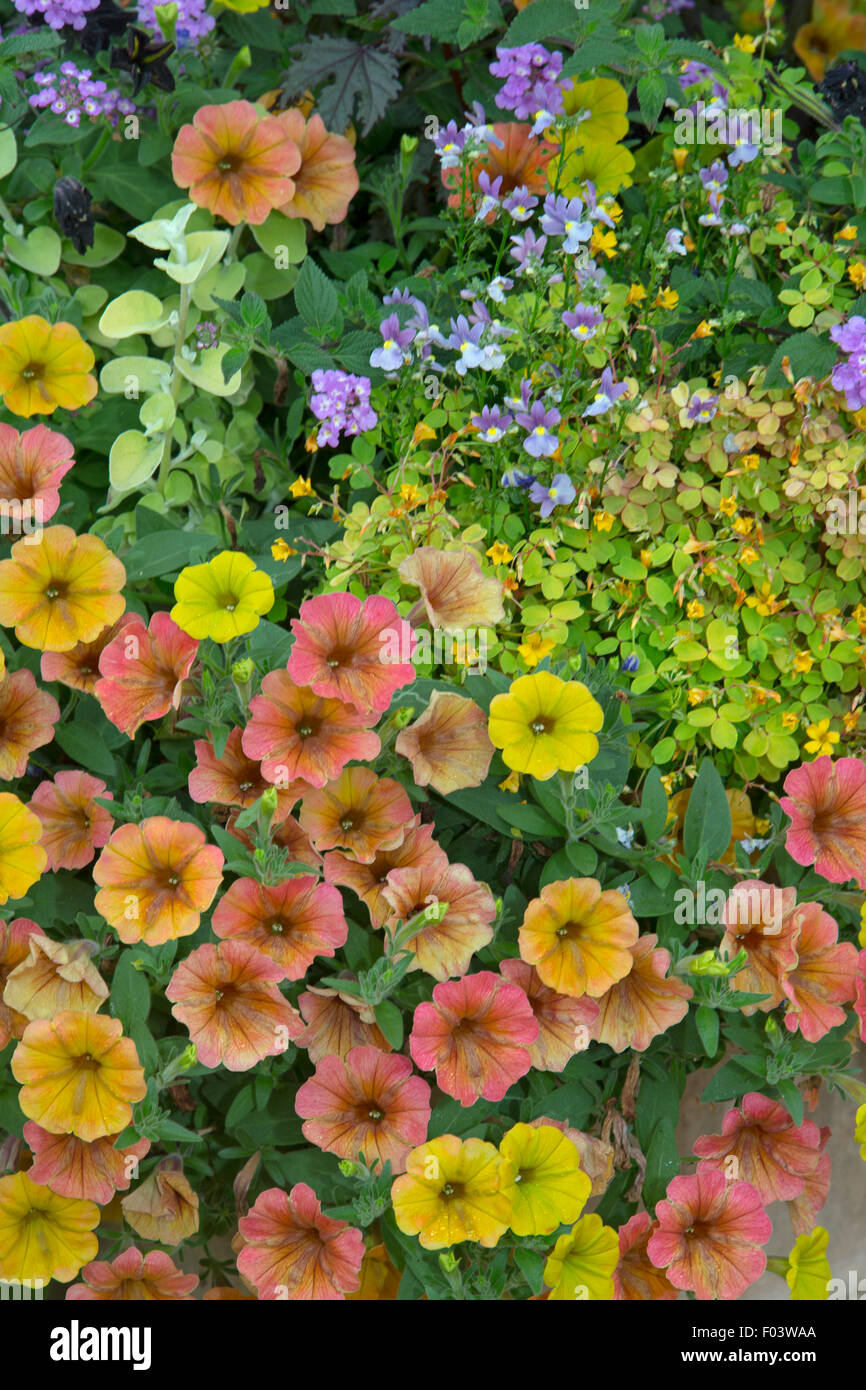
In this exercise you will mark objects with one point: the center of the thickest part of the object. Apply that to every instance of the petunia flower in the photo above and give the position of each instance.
(32, 466)
(327, 180)
(644, 1003)
(636, 1277)
(544, 725)
(824, 977)
(826, 801)
(418, 850)
(227, 996)
(475, 1034)
(358, 812)
(78, 667)
(78, 1074)
(770, 941)
(290, 1250)
(156, 878)
(448, 746)
(74, 825)
(564, 1023)
(164, 1208)
(380, 1279)
(142, 671)
(293, 922)
(44, 366)
(56, 975)
(452, 1191)
(27, 719)
(455, 593)
(579, 938)
(369, 1103)
(342, 650)
(134, 1278)
(709, 1235)
(295, 733)
(43, 1236)
(22, 858)
(14, 948)
(582, 1262)
(234, 779)
(809, 1273)
(447, 941)
(543, 1179)
(73, 1168)
(513, 155)
(236, 162)
(803, 1209)
(771, 1152)
(63, 591)
(223, 598)
(335, 1023)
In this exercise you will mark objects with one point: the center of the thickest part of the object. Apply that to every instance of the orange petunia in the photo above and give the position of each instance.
(357, 812)
(22, 858)
(14, 948)
(27, 719)
(644, 1003)
(294, 733)
(32, 465)
(235, 162)
(417, 850)
(74, 825)
(156, 879)
(327, 179)
(455, 593)
(352, 651)
(73, 1168)
(142, 671)
(78, 1074)
(577, 937)
(335, 1023)
(79, 667)
(824, 977)
(292, 922)
(442, 947)
(63, 591)
(290, 1250)
(380, 1279)
(763, 920)
(448, 746)
(44, 365)
(43, 1236)
(369, 1103)
(833, 28)
(521, 162)
(134, 1278)
(164, 1208)
(56, 975)
(636, 1277)
(234, 779)
(564, 1023)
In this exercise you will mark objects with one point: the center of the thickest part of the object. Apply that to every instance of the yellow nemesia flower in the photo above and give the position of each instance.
(604, 241)
(764, 602)
(603, 521)
(750, 461)
(44, 1236)
(499, 553)
(803, 661)
(223, 598)
(635, 294)
(535, 648)
(582, 1262)
(857, 274)
(411, 495)
(302, 487)
(748, 555)
(543, 1179)
(821, 738)
(281, 550)
(666, 299)
(452, 1191)
(545, 725)
(851, 719)
(697, 697)
(744, 525)
(809, 1272)
(694, 609)
(511, 783)
(422, 432)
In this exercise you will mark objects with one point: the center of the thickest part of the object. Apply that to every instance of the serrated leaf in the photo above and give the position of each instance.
(315, 298)
(353, 81)
(651, 95)
(809, 354)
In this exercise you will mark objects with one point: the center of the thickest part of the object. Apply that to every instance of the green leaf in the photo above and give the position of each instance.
(792, 1099)
(131, 188)
(353, 81)
(132, 313)
(730, 1082)
(654, 806)
(166, 552)
(390, 1021)
(707, 1022)
(650, 95)
(79, 744)
(133, 459)
(662, 1163)
(707, 824)
(8, 152)
(130, 993)
(315, 298)
(531, 1265)
(810, 354)
(171, 1131)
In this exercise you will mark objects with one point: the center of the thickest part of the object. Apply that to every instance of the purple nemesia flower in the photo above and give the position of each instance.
(58, 13)
(491, 424)
(563, 217)
(392, 354)
(498, 286)
(559, 494)
(693, 73)
(714, 177)
(608, 392)
(342, 402)
(745, 137)
(71, 91)
(583, 321)
(478, 127)
(674, 241)
(523, 401)
(466, 339)
(713, 217)
(520, 203)
(402, 297)
(850, 335)
(850, 376)
(515, 477)
(702, 408)
(531, 75)
(193, 21)
(448, 144)
(630, 663)
(596, 210)
(541, 440)
(528, 250)
(489, 195)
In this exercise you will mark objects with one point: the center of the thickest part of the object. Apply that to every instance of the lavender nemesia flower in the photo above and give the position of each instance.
(515, 477)
(674, 241)
(529, 250)
(541, 440)
(583, 321)
(702, 408)
(607, 394)
(520, 203)
(564, 217)
(491, 424)
(560, 492)
(392, 354)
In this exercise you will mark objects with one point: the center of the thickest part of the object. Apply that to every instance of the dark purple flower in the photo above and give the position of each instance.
(630, 663)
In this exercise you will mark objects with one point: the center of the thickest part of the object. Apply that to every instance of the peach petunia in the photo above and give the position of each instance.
(448, 746)
(27, 719)
(327, 180)
(824, 977)
(227, 996)
(709, 1235)
(442, 948)
(826, 801)
(771, 1152)
(134, 1278)
(833, 27)
(234, 779)
(78, 1075)
(22, 858)
(15, 940)
(44, 365)
(164, 1208)
(32, 466)
(520, 161)
(358, 812)
(142, 671)
(56, 975)
(644, 1003)
(63, 591)
(293, 922)
(418, 850)
(156, 879)
(43, 1236)
(295, 733)
(74, 1168)
(455, 593)
(636, 1277)
(578, 937)
(347, 650)
(79, 667)
(452, 1191)
(476, 1035)
(803, 1209)
(335, 1023)
(292, 1251)
(369, 1103)
(564, 1023)
(764, 921)
(74, 825)
(235, 162)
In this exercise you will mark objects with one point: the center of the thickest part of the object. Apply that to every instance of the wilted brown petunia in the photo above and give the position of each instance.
(455, 593)
(164, 1207)
(448, 746)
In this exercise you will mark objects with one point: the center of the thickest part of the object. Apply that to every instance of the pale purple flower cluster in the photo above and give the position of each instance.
(72, 93)
(193, 21)
(531, 75)
(58, 13)
(342, 402)
(713, 179)
(850, 376)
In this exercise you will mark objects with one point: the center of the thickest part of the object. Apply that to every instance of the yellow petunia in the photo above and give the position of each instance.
(607, 102)
(545, 725)
(452, 1191)
(607, 166)
(543, 1178)
(44, 1236)
(582, 1262)
(809, 1272)
(860, 1130)
(223, 598)
(44, 365)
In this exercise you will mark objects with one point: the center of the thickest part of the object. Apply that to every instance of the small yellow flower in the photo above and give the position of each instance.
(851, 720)
(743, 525)
(694, 609)
(666, 299)
(862, 937)
(635, 294)
(847, 233)
(696, 697)
(680, 156)
(602, 521)
(803, 661)
(422, 432)
(302, 487)
(500, 554)
(602, 241)
(411, 495)
(311, 443)
(668, 781)
(646, 558)
(703, 330)
(857, 274)
(764, 602)
(281, 550)
(859, 615)
(748, 556)
(821, 738)
(746, 43)
(535, 648)
(688, 243)
(790, 721)
(781, 226)
(750, 461)
(728, 505)
(511, 783)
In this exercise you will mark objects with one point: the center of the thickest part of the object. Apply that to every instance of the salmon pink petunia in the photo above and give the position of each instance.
(356, 652)
(448, 746)
(43, 1236)
(455, 593)
(826, 801)
(292, 1251)
(227, 997)
(74, 825)
(860, 995)
(358, 812)
(32, 466)
(578, 938)
(327, 180)
(335, 1023)
(519, 159)
(417, 850)
(235, 162)
(445, 945)
(156, 879)
(636, 1277)
(772, 1153)
(564, 1023)
(142, 671)
(62, 591)
(476, 1035)
(234, 779)
(764, 921)
(293, 922)
(74, 1168)
(15, 939)
(79, 667)
(709, 1235)
(134, 1278)
(27, 719)
(644, 1003)
(824, 977)
(368, 1103)
(803, 1209)
(56, 975)
(295, 733)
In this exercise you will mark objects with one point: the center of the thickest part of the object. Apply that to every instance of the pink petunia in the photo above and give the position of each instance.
(824, 977)
(292, 922)
(476, 1035)
(369, 1103)
(352, 651)
(709, 1235)
(142, 671)
(826, 801)
(771, 1152)
(290, 1250)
